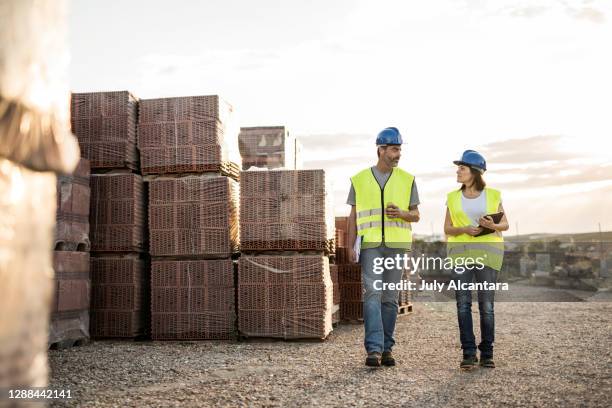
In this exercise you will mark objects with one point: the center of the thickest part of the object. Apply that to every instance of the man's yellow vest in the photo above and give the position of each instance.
(489, 248)
(373, 224)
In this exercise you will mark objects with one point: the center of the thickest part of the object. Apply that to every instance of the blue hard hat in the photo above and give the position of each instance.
(389, 136)
(473, 159)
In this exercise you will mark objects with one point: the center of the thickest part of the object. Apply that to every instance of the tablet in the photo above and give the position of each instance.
(496, 218)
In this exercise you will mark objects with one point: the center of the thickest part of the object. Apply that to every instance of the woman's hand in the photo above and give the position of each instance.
(473, 231)
(487, 222)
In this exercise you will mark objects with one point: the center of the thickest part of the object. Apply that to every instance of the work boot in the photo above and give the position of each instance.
(387, 359)
(487, 362)
(373, 359)
(468, 362)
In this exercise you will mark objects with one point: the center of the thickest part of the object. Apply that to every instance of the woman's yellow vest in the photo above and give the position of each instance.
(486, 249)
(374, 226)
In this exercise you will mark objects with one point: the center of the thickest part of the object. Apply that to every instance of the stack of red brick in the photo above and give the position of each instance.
(70, 309)
(193, 299)
(191, 134)
(186, 149)
(269, 147)
(349, 276)
(285, 294)
(105, 124)
(285, 210)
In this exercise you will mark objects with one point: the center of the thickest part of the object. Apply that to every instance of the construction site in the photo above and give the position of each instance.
(163, 235)
(174, 223)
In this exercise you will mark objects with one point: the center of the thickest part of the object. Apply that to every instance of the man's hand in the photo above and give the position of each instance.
(393, 211)
(473, 231)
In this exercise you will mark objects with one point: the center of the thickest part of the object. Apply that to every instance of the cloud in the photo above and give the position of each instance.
(538, 8)
(556, 176)
(528, 11)
(331, 162)
(330, 141)
(533, 149)
(588, 13)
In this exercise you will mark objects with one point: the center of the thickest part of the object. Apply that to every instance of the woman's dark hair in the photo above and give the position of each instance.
(479, 183)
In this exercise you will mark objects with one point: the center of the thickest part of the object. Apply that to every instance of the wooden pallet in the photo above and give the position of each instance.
(68, 343)
(227, 168)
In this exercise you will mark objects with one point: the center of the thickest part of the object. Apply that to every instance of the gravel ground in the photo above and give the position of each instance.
(547, 354)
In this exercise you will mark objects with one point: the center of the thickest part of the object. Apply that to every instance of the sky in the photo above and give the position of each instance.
(526, 83)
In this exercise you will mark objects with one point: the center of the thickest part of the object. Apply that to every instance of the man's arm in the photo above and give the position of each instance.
(352, 233)
(412, 215)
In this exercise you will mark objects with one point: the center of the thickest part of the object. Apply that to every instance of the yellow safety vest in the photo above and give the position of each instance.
(489, 248)
(373, 224)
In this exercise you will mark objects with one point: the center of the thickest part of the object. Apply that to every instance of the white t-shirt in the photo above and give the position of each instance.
(475, 208)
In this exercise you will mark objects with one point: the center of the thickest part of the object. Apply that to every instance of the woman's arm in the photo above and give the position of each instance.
(449, 229)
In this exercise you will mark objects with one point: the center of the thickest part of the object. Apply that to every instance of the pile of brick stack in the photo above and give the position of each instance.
(188, 149)
(269, 147)
(286, 231)
(349, 276)
(349, 280)
(70, 309)
(105, 125)
(191, 134)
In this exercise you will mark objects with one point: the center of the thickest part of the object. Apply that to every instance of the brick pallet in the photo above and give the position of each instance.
(285, 210)
(351, 292)
(119, 301)
(192, 299)
(105, 125)
(192, 134)
(70, 308)
(189, 156)
(69, 324)
(285, 215)
(72, 217)
(194, 216)
(118, 212)
(267, 146)
(287, 297)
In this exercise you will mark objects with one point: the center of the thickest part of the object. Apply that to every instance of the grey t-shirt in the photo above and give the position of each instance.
(382, 178)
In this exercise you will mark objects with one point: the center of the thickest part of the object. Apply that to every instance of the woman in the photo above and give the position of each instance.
(476, 255)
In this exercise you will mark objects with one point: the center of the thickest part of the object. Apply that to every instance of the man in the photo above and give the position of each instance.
(384, 201)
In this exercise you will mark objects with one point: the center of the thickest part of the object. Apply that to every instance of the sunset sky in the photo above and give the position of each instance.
(526, 83)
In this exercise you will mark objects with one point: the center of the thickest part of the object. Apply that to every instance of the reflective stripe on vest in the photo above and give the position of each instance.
(373, 225)
(367, 213)
(464, 248)
(388, 224)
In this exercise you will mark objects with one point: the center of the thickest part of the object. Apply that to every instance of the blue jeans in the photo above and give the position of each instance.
(485, 306)
(379, 306)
